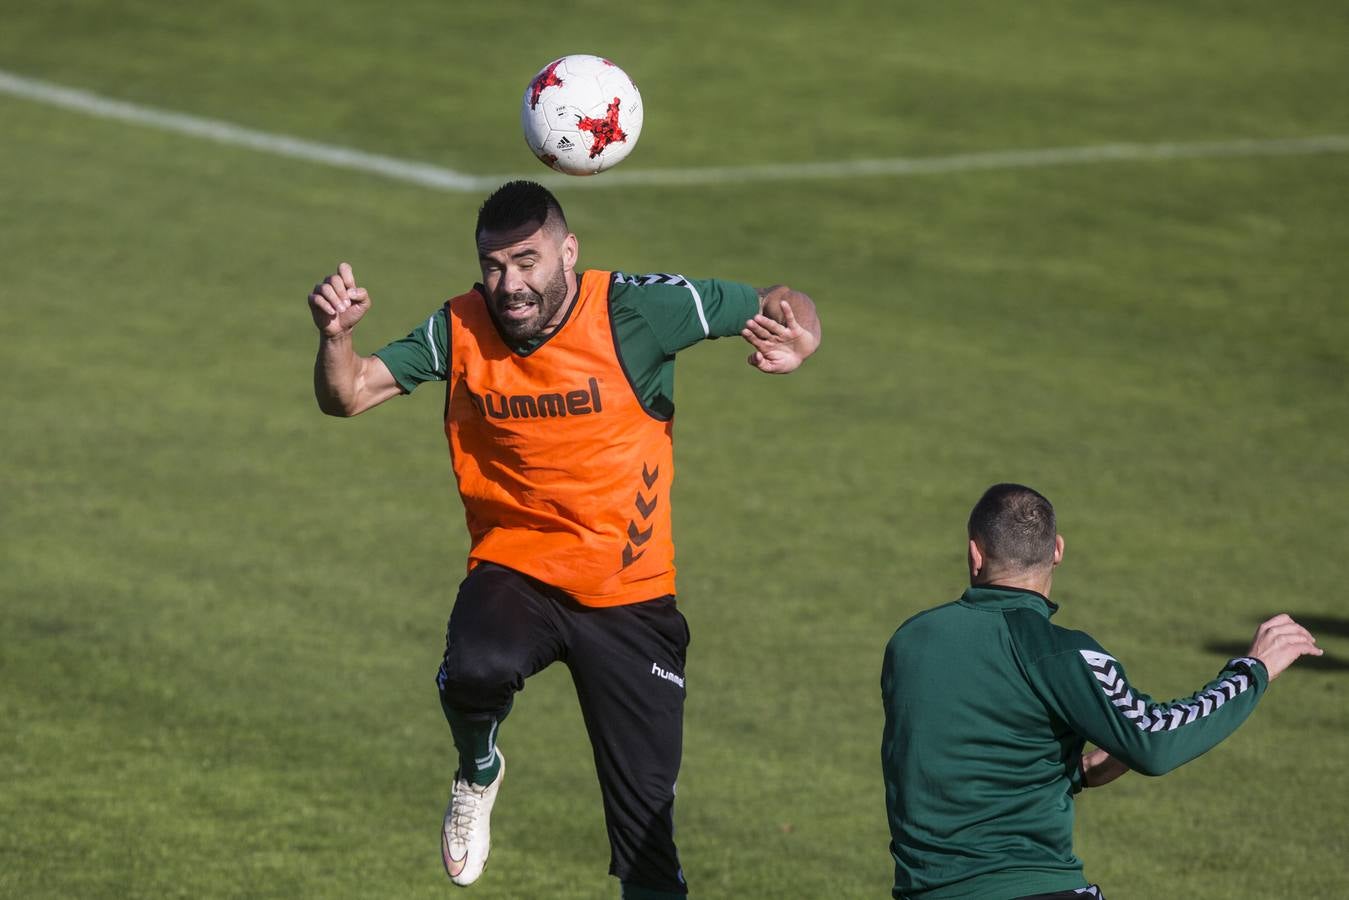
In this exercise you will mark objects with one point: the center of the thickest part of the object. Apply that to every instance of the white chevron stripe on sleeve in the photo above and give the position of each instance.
(1159, 717)
(673, 281)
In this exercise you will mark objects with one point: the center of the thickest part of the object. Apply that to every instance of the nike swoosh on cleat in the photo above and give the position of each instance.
(452, 866)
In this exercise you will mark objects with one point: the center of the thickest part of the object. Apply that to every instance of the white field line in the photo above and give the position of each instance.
(427, 175)
(226, 133)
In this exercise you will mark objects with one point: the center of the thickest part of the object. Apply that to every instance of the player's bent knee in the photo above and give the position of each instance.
(479, 679)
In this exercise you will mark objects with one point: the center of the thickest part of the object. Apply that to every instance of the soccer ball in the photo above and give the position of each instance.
(581, 115)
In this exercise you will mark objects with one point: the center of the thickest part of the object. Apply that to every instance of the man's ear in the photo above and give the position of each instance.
(571, 252)
(1058, 549)
(976, 560)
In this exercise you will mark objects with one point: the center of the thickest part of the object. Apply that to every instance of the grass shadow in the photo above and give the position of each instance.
(1320, 626)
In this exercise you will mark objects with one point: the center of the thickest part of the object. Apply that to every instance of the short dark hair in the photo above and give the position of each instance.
(518, 203)
(1014, 526)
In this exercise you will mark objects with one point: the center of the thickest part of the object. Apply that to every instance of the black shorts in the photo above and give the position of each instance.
(627, 663)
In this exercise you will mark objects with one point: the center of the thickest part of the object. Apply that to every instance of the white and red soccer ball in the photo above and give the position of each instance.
(581, 114)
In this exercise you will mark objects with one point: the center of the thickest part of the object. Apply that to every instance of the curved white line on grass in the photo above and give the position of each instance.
(227, 133)
(428, 175)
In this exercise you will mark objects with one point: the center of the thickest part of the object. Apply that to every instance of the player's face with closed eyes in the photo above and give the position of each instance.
(527, 274)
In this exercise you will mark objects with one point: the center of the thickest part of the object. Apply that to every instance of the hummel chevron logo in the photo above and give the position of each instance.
(653, 278)
(1157, 716)
(636, 535)
(1114, 686)
(646, 508)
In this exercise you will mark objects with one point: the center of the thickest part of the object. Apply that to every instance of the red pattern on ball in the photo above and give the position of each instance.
(603, 131)
(545, 79)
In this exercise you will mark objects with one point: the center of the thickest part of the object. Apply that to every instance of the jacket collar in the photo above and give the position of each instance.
(996, 596)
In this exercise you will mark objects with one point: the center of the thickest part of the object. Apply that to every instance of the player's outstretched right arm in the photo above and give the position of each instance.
(1089, 690)
(344, 383)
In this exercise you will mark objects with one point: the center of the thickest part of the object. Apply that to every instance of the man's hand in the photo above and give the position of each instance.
(1279, 641)
(337, 304)
(345, 384)
(778, 334)
(1099, 767)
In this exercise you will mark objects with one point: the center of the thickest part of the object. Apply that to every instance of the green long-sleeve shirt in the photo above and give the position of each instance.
(987, 708)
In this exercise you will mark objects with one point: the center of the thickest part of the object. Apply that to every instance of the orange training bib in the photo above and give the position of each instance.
(563, 474)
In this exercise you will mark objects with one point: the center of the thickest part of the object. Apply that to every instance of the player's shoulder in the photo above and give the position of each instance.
(686, 309)
(672, 290)
(922, 626)
(1036, 638)
(649, 287)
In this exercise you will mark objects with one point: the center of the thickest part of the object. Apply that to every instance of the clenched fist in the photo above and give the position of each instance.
(337, 304)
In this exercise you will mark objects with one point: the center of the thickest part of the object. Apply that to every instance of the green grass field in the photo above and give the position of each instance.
(221, 612)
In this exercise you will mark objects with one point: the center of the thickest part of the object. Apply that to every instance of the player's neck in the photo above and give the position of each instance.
(1036, 582)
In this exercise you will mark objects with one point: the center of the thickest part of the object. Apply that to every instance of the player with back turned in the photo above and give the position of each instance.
(558, 415)
(988, 706)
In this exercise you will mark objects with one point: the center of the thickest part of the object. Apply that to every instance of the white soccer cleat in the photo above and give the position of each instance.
(466, 835)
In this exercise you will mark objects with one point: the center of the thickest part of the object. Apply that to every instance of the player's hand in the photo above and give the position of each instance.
(337, 304)
(779, 347)
(1279, 641)
(1099, 768)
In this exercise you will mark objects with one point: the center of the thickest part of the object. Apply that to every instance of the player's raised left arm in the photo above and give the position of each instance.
(785, 331)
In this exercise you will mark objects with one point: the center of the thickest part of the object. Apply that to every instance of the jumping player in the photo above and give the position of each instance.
(558, 413)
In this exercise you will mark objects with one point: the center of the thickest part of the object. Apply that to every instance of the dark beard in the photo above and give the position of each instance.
(546, 306)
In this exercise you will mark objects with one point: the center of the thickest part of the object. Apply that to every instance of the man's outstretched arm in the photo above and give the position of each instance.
(344, 383)
(1276, 644)
(784, 333)
(1089, 690)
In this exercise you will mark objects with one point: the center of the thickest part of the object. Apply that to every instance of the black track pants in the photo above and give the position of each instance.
(627, 663)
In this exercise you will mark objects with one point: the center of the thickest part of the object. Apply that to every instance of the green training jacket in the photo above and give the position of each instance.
(987, 708)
